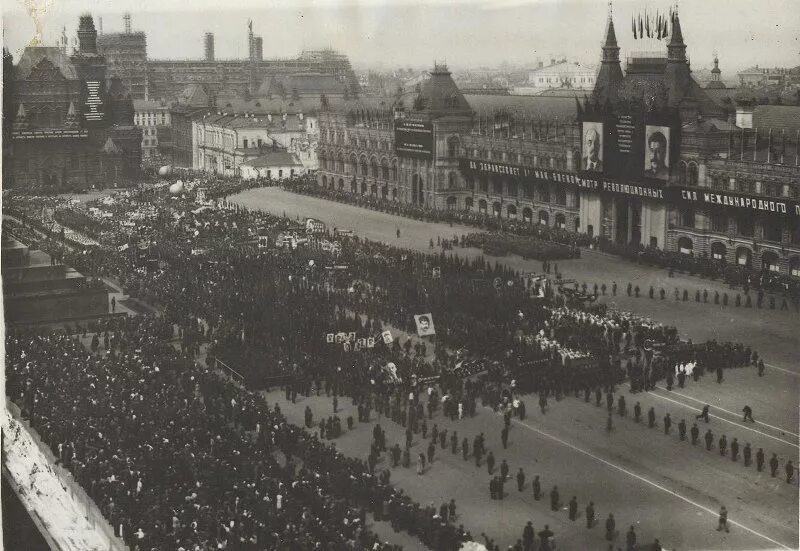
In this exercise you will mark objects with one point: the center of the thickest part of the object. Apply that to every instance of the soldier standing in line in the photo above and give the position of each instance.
(554, 499)
(630, 540)
(454, 442)
(611, 526)
(667, 423)
(747, 454)
(590, 514)
(695, 432)
(520, 479)
(773, 465)
(651, 418)
(637, 412)
(537, 488)
(759, 459)
(723, 520)
(723, 445)
(490, 462)
(504, 437)
(621, 407)
(682, 429)
(503, 470)
(735, 450)
(465, 448)
(709, 440)
(789, 472)
(573, 509)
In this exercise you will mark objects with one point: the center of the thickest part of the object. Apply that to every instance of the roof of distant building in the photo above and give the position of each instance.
(437, 95)
(193, 96)
(150, 105)
(33, 55)
(711, 125)
(565, 67)
(722, 96)
(777, 116)
(231, 120)
(274, 158)
(304, 84)
(537, 107)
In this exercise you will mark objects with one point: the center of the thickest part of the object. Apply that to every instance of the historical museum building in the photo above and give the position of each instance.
(67, 126)
(649, 158)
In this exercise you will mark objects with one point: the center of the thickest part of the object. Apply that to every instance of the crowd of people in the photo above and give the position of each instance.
(177, 458)
(735, 275)
(272, 312)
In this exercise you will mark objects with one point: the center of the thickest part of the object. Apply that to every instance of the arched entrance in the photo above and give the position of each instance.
(527, 215)
(561, 221)
(512, 211)
(496, 209)
(544, 218)
(744, 257)
(341, 184)
(685, 245)
(468, 203)
(770, 261)
(794, 266)
(718, 251)
(452, 202)
(324, 181)
(482, 206)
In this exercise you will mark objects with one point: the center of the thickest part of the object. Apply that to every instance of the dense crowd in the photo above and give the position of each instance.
(268, 311)
(734, 275)
(177, 458)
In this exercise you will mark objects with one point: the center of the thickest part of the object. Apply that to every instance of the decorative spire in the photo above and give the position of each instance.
(676, 49)
(610, 75)
(610, 47)
(21, 120)
(71, 121)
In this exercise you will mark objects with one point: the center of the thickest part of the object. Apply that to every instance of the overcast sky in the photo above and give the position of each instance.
(469, 33)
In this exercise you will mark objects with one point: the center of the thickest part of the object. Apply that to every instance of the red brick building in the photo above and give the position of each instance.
(68, 125)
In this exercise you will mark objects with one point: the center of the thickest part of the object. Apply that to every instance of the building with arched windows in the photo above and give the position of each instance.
(650, 159)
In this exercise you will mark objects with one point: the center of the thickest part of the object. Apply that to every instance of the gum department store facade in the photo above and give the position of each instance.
(731, 192)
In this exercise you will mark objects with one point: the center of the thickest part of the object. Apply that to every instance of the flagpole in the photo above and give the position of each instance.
(769, 147)
(783, 143)
(741, 153)
(755, 146)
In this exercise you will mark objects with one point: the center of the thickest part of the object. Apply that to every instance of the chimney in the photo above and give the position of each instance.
(209, 42)
(126, 19)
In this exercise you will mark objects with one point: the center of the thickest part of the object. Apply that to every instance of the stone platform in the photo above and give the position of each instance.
(37, 290)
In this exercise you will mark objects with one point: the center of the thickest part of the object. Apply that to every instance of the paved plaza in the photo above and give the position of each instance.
(664, 487)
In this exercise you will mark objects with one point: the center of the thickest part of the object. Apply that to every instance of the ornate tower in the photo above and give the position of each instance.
(610, 75)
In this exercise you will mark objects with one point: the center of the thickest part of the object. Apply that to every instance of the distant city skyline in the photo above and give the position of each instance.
(467, 35)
